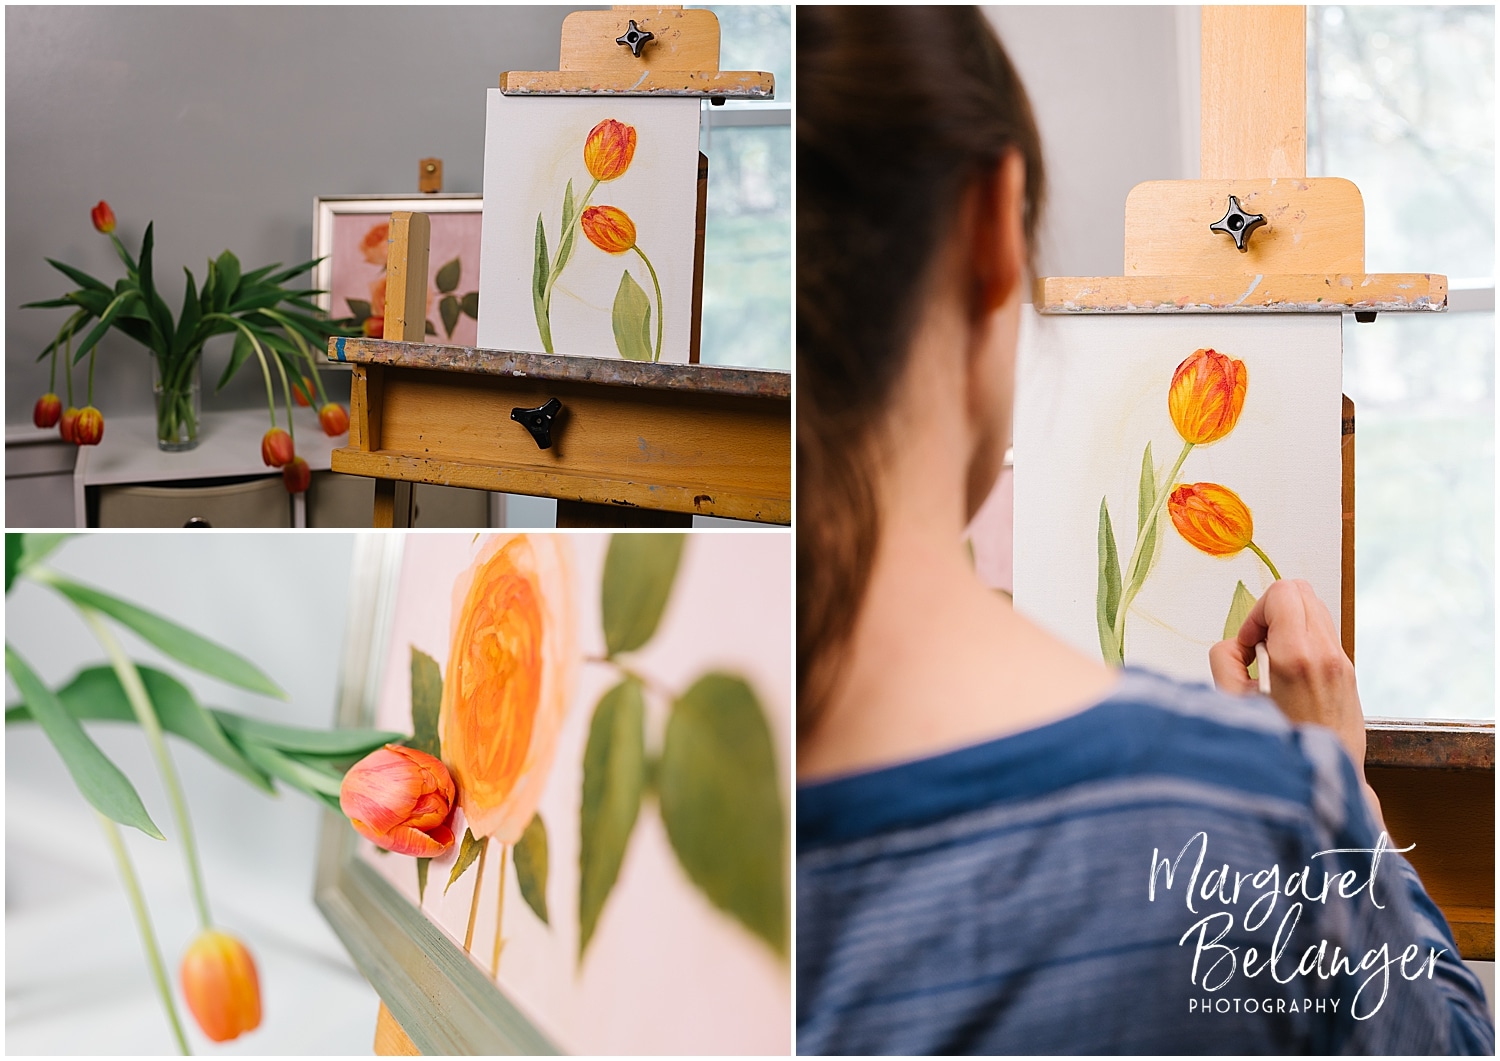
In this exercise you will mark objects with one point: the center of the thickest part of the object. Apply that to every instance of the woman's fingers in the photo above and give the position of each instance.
(1231, 668)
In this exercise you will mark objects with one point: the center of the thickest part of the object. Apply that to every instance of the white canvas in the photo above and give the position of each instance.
(533, 147)
(1091, 392)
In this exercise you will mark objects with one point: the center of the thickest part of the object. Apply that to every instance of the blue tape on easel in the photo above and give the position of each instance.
(339, 346)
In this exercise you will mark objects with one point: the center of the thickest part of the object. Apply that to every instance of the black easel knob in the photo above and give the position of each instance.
(1237, 223)
(539, 421)
(635, 38)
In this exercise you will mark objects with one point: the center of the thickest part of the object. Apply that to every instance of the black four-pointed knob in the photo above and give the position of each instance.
(539, 421)
(1237, 223)
(635, 38)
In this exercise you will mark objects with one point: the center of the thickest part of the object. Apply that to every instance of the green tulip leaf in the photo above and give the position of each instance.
(631, 319)
(469, 304)
(178, 642)
(242, 351)
(447, 277)
(639, 570)
(312, 776)
(329, 743)
(100, 781)
(1107, 598)
(78, 276)
(1239, 610)
(530, 858)
(721, 804)
(14, 544)
(426, 704)
(613, 779)
(191, 318)
(468, 851)
(448, 310)
(228, 268)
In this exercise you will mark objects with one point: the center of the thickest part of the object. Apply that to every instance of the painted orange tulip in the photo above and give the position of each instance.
(103, 217)
(296, 475)
(334, 420)
(608, 150)
(276, 448)
(509, 680)
(1211, 518)
(68, 422)
(48, 411)
(221, 986)
(609, 228)
(88, 429)
(1206, 396)
(400, 799)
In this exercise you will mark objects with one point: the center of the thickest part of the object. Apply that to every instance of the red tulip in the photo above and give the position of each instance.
(221, 986)
(1207, 394)
(609, 228)
(104, 217)
(276, 448)
(89, 427)
(608, 150)
(374, 327)
(334, 420)
(302, 391)
(48, 410)
(400, 799)
(296, 475)
(69, 421)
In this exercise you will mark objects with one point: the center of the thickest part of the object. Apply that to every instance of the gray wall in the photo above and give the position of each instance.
(221, 124)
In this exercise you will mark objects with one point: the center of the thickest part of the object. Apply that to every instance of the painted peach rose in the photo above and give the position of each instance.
(509, 679)
(373, 246)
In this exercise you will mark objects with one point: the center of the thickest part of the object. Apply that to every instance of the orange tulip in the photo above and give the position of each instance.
(400, 799)
(374, 327)
(374, 246)
(1211, 518)
(334, 420)
(608, 150)
(88, 429)
(48, 411)
(296, 475)
(276, 448)
(609, 228)
(302, 391)
(68, 422)
(221, 986)
(104, 217)
(1206, 396)
(509, 680)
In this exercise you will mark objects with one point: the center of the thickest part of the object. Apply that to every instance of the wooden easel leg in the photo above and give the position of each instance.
(392, 504)
(604, 517)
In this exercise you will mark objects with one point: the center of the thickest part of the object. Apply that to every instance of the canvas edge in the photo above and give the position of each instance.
(439, 998)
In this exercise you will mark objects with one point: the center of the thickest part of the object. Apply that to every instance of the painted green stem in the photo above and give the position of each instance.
(1133, 582)
(1257, 551)
(145, 713)
(657, 284)
(555, 269)
(143, 923)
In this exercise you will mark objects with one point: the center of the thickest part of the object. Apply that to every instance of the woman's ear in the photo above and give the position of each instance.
(1000, 242)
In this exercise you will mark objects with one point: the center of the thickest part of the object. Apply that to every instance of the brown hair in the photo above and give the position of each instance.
(899, 111)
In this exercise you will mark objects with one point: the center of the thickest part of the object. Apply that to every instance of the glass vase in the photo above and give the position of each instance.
(179, 404)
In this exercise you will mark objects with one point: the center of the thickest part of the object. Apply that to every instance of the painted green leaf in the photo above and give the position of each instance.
(613, 778)
(539, 271)
(429, 328)
(721, 803)
(178, 642)
(447, 277)
(448, 310)
(100, 780)
(1145, 502)
(569, 207)
(631, 319)
(469, 305)
(569, 230)
(1107, 598)
(1239, 610)
(426, 703)
(422, 866)
(468, 851)
(359, 309)
(530, 858)
(639, 570)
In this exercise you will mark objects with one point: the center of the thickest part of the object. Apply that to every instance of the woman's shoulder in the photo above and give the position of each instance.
(1150, 734)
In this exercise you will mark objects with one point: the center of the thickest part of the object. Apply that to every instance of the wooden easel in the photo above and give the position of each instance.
(638, 445)
(1436, 781)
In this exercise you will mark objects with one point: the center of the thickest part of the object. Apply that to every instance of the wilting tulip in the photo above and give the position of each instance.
(88, 429)
(1212, 518)
(302, 391)
(104, 217)
(609, 228)
(608, 150)
(400, 799)
(1207, 394)
(221, 987)
(48, 410)
(334, 420)
(276, 448)
(296, 475)
(68, 422)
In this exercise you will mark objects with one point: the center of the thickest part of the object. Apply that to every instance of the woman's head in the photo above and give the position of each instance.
(909, 120)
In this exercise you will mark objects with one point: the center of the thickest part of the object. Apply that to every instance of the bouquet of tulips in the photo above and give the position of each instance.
(264, 315)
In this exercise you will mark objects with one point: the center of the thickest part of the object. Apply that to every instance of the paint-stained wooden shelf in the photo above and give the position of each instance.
(1240, 293)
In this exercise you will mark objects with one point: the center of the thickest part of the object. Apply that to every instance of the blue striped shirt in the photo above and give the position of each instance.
(1072, 889)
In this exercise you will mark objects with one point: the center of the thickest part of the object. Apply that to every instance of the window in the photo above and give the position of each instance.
(1401, 101)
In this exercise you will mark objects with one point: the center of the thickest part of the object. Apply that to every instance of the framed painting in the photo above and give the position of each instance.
(616, 714)
(350, 233)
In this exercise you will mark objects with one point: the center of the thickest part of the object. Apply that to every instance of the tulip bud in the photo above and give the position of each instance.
(220, 985)
(89, 428)
(608, 150)
(104, 217)
(66, 425)
(1211, 518)
(400, 799)
(302, 391)
(276, 448)
(1206, 396)
(48, 410)
(609, 228)
(373, 327)
(296, 475)
(334, 420)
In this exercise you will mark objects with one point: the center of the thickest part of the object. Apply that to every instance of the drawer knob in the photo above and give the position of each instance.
(197, 521)
(539, 421)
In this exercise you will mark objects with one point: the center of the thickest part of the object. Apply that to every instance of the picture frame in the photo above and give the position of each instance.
(351, 272)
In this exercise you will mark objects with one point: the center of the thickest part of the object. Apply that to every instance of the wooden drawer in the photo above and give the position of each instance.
(336, 500)
(260, 502)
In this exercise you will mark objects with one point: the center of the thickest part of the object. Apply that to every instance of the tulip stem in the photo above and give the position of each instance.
(264, 368)
(555, 269)
(143, 923)
(499, 915)
(1132, 582)
(1257, 551)
(145, 713)
(484, 850)
(68, 364)
(657, 284)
